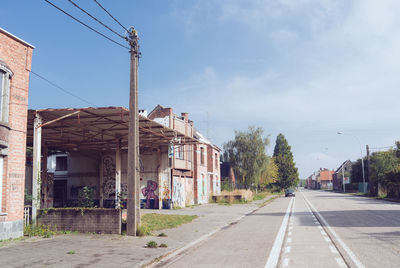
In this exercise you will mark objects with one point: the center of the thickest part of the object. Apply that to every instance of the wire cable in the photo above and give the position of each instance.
(87, 13)
(69, 15)
(111, 16)
(62, 89)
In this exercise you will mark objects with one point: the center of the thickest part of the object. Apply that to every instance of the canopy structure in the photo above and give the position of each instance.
(98, 129)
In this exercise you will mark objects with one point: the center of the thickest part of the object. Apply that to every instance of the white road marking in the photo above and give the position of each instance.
(352, 256)
(285, 262)
(290, 233)
(289, 240)
(340, 262)
(290, 228)
(326, 239)
(323, 233)
(320, 227)
(276, 248)
(288, 249)
(333, 250)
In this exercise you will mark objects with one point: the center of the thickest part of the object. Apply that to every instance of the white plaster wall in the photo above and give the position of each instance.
(178, 192)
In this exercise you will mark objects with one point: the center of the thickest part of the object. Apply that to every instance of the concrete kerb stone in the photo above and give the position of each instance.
(163, 259)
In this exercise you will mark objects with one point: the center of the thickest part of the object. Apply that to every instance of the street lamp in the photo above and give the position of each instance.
(362, 160)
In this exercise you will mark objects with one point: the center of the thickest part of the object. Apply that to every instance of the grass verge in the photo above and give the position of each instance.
(156, 221)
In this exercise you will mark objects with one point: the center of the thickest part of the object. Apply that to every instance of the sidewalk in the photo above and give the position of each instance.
(83, 250)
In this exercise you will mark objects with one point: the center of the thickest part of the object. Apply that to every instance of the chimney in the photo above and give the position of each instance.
(185, 117)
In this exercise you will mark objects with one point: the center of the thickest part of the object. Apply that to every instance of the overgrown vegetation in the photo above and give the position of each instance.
(41, 230)
(143, 230)
(86, 197)
(151, 244)
(384, 173)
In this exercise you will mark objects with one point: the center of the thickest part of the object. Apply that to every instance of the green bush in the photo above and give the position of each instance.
(163, 245)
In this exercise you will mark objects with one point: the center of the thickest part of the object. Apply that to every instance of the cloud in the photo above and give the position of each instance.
(342, 72)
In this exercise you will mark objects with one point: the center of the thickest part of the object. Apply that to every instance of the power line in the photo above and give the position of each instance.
(111, 15)
(62, 89)
(69, 15)
(87, 13)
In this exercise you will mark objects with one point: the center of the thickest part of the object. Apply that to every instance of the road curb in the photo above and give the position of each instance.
(163, 259)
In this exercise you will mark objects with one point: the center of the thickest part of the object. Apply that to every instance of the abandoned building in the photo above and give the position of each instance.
(15, 65)
(87, 148)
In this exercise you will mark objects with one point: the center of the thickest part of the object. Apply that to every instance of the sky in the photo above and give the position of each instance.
(304, 68)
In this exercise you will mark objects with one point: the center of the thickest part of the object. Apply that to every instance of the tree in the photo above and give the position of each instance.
(269, 174)
(246, 154)
(287, 171)
(356, 171)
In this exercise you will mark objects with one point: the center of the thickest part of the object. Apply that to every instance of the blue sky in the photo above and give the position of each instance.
(305, 68)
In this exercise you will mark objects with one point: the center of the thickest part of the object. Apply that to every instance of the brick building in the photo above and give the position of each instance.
(15, 65)
(181, 160)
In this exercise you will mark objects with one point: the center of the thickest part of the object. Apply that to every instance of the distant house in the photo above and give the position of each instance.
(15, 66)
(325, 179)
(337, 177)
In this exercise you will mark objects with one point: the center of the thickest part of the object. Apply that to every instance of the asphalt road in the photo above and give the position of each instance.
(314, 229)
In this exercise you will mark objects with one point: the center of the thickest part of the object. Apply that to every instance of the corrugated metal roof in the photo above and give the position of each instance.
(98, 129)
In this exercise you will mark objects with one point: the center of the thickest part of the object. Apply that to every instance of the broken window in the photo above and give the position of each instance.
(202, 155)
(5, 76)
(61, 163)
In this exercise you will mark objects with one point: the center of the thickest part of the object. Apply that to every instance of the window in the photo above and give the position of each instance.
(216, 161)
(5, 76)
(202, 155)
(180, 152)
(61, 163)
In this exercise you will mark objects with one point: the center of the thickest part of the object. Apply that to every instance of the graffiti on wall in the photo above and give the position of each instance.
(149, 193)
(178, 193)
(108, 177)
(165, 191)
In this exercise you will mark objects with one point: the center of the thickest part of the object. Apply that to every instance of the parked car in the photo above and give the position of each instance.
(289, 192)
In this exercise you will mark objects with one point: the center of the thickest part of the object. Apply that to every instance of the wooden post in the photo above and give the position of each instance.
(37, 144)
(118, 174)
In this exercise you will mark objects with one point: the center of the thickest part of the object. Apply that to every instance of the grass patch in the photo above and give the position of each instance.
(151, 244)
(143, 230)
(71, 252)
(260, 195)
(156, 221)
(6, 241)
(163, 245)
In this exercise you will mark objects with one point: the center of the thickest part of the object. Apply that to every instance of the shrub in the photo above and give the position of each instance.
(152, 244)
(163, 245)
(45, 231)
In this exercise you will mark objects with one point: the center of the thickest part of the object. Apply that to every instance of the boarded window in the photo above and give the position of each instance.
(202, 155)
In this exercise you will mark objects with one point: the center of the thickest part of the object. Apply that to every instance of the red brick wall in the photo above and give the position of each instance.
(102, 220)
(18, 56)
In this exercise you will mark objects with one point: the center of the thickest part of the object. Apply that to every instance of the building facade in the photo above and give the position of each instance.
(15, 66)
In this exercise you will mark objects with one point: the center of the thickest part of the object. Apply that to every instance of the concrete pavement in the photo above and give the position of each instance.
(88, 250)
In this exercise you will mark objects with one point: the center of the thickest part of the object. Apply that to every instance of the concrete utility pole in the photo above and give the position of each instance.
(343, 180)
(133, 205)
